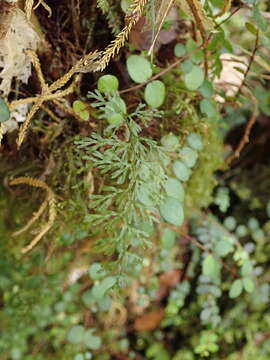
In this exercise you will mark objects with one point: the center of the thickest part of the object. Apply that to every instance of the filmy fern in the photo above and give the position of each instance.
(133, 176)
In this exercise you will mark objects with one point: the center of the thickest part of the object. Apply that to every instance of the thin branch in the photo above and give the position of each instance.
(251, 60)
(164, 71)
(250, 123)
(200, 246)
(229, 16)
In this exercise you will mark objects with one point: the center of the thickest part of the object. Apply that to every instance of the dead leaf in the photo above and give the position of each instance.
(167, 280)
(141, 34)
(232, 74)
(149, 321)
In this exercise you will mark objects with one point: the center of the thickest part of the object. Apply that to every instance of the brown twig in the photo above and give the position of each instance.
(229, 16)
(251, 60)
(197, 17)
(164, 71)
(199, 245)
(250, 123)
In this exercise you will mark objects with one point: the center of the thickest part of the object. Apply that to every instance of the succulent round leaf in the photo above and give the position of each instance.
(139, 68)
(107, 83)
(194, 79)
(76, 334)
(236, 288)
(172, 211)
(181, 171)
(174, 188)
(170, 142)
(154, 93)
(195, 141)
(80, 108)
(188, 156)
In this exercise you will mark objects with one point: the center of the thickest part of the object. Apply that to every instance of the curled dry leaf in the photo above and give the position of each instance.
(16, 35)
(19, 36)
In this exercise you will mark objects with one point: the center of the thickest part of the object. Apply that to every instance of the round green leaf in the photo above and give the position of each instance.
(181, 171)
(206, 89)
(139, 68)
(144, 195)
(79, 357)
(186, 66)
(196, 54)
(105, 303)
(223, 248)
(174, 188)
(213, 347)
(87, 297)
(211, 267)
(91, 341)
(258, 235)
(208, 108)
(247, 268)
(241, 230)
(253, 223)
(99, 290)
(195, 141)
(172, 211)
(76, 334)
(179, 50)
(236, 288)
(248, 285)
(197, 57)
(80, 108)
(194, 79)
(168, 238)
(4, 111)
(230, 223)
(154, 93)
(107, 83)
(170, 142)
(251, 28)
(96, 271)
(115, 119)
(191, 45)
(188, 156)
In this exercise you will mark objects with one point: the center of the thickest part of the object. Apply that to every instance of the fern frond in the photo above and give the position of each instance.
(103, 5)
(113, 19)
(133, 15)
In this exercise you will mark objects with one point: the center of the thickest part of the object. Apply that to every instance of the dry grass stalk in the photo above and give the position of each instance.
(48, 202)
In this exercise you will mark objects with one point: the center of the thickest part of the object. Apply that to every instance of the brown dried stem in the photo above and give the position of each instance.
(250, 123)
(50, 201)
